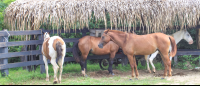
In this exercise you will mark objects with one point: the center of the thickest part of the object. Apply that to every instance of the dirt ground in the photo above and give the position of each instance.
(179, 76)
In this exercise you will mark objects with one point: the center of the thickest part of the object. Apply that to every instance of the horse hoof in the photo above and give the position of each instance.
(136, 78)
(86, 75)
(47, 80)
(162, 78)
(130, 79)
(112, 74)
(55, 82)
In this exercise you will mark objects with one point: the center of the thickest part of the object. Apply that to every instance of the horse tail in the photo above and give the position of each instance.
(174, 47)
(59, 50)
(75, 51)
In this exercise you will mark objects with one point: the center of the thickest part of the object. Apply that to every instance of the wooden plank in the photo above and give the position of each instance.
(42, 66)
(188, 53)
(68, 49)
(26, 32)
(32, 42)
(20, 64)
(71, 39)
(188, 49)
(16, 54)
(71, 31)
(175, 60)
(5, 61)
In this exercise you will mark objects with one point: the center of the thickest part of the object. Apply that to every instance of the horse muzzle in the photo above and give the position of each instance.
(191, 42)
(100, 45)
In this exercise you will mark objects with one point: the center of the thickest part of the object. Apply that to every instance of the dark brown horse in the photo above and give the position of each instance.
(133, 44)
(90, 44)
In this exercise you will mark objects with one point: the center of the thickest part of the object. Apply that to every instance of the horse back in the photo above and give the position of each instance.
(90, 43)
(49, 47)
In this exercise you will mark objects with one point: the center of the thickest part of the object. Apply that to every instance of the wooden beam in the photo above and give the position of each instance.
(20, 64)
(16, 54)
(188, 53)
(26, 32)
(31, 42)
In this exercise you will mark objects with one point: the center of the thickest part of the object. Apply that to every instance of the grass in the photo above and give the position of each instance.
(18, 76)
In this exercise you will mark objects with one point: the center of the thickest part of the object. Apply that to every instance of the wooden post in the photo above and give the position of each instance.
(42, 66)
(175, 60)
(5, 50)
(124, 61)
(198, 41)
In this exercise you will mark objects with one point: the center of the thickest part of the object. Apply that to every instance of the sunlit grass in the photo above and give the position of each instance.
(19, 76)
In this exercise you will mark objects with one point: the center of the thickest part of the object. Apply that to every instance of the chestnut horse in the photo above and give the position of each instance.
(133, 44)
(53, 48)
(88, 44)
(178, 36)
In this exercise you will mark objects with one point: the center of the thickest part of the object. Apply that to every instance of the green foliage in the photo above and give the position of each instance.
(3, 5)
(193, 61)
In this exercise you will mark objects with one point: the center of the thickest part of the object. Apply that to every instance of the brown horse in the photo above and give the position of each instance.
(90, 44)
(133, 44)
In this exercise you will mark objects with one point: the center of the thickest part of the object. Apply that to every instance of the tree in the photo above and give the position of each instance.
(3, 5)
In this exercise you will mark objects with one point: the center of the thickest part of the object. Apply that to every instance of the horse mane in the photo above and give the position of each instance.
(115, 31)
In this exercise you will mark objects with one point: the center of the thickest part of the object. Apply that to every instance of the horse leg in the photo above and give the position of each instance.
(147, 61)
(130, 58)
(112, 55)
(135, 66)
(60, 63)
(164, 58)
(46, 67)
(151, 60)
(55, 68)
(169, 67)
(82, 63)
(170, 61)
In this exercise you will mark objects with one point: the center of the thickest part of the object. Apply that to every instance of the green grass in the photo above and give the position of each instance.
(157, 65)
(19, 76)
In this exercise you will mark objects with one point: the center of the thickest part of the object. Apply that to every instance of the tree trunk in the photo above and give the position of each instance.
(198, 38)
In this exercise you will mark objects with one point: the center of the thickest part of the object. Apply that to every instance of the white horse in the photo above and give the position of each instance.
(178, 36)
(53, 48)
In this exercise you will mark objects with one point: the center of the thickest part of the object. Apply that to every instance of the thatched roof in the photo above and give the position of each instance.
(153, 14)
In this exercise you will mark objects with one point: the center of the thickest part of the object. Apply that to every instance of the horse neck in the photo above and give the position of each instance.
(119, 39)
(178, 36)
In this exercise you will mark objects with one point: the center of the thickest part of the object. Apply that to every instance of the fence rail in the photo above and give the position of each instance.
(27, 32)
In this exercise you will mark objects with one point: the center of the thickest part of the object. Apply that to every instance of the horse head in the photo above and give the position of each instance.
(46, 34)
(105, 38)
(187, 37)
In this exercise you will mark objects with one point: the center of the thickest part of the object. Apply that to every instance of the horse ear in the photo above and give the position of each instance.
(131, 31)
(49, 32)
(106, 31)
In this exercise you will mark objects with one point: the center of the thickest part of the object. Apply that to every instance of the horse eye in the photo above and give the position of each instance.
(102, 37)
(188, 35)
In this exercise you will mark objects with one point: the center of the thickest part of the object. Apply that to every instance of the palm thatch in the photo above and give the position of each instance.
(155, 15)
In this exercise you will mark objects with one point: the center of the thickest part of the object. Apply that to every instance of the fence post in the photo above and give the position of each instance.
(175, 60)
(42, 67)
(5, 50)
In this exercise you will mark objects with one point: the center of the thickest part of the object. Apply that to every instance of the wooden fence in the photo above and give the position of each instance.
(4, 54)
